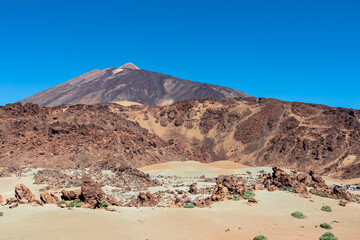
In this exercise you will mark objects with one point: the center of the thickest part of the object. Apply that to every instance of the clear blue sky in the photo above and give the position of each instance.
(292, 50)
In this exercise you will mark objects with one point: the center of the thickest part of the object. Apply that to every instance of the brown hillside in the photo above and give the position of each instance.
(250, 131)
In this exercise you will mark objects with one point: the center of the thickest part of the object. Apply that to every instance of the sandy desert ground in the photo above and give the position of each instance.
(271, 216)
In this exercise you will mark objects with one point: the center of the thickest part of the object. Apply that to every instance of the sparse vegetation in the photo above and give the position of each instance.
(325, 226)
(260, 237)
(328, 236)
(298, 215)
(289, 189)
(68, 185)
(323, 195)
(104, 204)
(189, 205)
(249, 194)
(42, 189)
(326, 209)
(236, 197)
(75, 203)
(62, 201)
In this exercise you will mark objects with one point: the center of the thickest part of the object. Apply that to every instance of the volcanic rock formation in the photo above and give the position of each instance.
(128, 83)
(255, 132)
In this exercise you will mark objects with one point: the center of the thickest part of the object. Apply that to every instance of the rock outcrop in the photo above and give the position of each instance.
(48, 198)
(91, 193)
(70, 195)
(23, 194)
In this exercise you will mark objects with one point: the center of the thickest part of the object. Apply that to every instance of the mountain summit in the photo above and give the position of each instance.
(129, 83)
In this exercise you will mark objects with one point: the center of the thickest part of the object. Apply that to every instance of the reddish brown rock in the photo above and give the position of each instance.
(206, 202)
(112, 200)
(1, 200)
(301, 188)
(252, 201)
(193, 189)
(341, 193)
(38, 203)
(146, 200)
(1, 214)
(91, 192)
(48, 198)
(70, 195)
(258, 186)
(271, 188)
(305, 195)
(343, 203)
(23, 194)
(226, 184)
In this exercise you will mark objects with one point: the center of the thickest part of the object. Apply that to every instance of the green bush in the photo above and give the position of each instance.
(289, 189)
(323, 195)
(298, 215)
(328, 236)
(260, 237)
(326, 208)
(326, 226)
(189, 205)
(68, 185)
(62, 201)
(236, 197)
(249, 194)
(104, 204)
(75, 203)
(42, 189)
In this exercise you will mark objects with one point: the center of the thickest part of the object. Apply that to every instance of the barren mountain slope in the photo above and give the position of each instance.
(128, 83)
(263, 132)
(255, 132)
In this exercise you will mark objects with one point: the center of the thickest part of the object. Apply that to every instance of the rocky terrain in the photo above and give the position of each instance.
(129, 83)
(254, 132)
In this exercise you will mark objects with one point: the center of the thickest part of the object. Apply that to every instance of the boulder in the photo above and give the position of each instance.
(341, 193)
(70, 195)
(23, 194)
(91, 192)
(1, 214)
(343, 203)
(48, 198)
(1, 200)
(112, 200)
(146, 199)
(301, 188)
(258, 186)
(271, 188)
(193, 189)
(305, 195)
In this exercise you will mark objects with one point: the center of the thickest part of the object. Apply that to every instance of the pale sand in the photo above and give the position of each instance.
(7, 186)
(127, 103)
(270, 217)
(194, 169)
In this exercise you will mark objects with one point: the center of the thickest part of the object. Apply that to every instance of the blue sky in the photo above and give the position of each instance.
(291, 50)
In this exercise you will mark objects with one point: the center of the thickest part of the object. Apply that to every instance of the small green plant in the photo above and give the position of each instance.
(326, 209)
(62, 201)
(189, 205)
(104, 204)
(325, 195)
(325, 226)
(75, 203)
(298, 215)
(68, 185)
(249, 194)
(328, 236)
(42, 189)
(236, 197)
(260, 237)
(289, 189)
